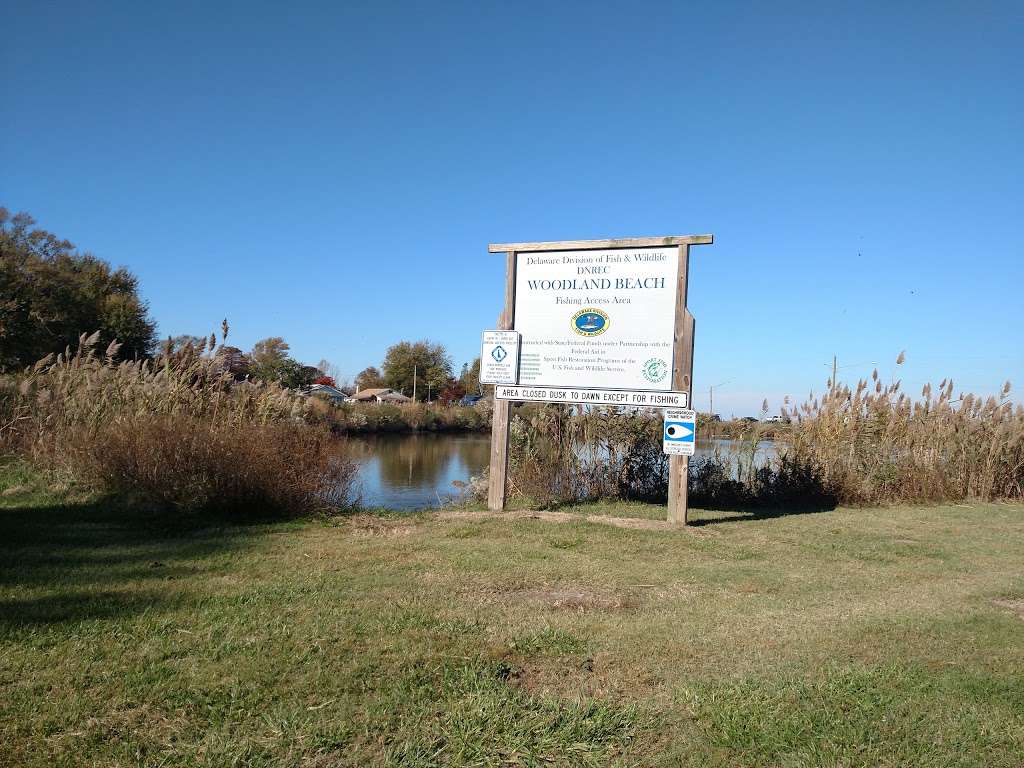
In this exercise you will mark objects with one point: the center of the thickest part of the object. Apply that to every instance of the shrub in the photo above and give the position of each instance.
(868, 445)
(350, 418)
(560, 455)
(175, 431)
(193, 465)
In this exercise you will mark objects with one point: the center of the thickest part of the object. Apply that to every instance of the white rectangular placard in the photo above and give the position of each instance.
(680, 432)
(636, 398)
(597, 319)
(499, 357)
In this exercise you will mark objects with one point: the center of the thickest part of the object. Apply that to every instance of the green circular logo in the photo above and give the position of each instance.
(655, 370)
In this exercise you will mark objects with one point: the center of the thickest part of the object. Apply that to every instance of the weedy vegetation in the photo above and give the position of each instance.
(871, 444)
(874, 444)
(359, 418)
(175, 431)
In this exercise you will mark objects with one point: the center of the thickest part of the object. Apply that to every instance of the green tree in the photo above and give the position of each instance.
(426, 363)
(304, 376)
(269, 360)
(369, 378)
(50, 293)
(470, 377)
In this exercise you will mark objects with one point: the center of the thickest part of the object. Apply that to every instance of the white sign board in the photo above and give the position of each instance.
(636, 398)
(597, 319)
(499, 357)
(680, 432)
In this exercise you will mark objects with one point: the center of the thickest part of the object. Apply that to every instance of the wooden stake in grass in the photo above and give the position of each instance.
(500, 416)
(682, 380)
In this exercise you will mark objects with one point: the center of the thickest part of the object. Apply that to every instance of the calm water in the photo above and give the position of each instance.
(415, 470)
(409, 471)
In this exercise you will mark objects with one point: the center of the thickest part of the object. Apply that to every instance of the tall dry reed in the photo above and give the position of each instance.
(84, 388)
(871, 444)
(874, 444)
(177, 429)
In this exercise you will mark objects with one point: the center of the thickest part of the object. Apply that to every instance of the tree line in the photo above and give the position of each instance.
(423, 370)
(50, 293)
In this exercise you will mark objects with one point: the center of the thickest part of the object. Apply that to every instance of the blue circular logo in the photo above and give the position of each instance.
(590, 322)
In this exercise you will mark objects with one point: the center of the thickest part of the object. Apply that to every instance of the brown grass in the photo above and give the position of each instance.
(868, 445)
(874, 444)
(175, 431)
(192, 465)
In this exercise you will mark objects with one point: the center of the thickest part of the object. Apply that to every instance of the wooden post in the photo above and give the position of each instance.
(497, 479)
(682, 365)
(682, 380)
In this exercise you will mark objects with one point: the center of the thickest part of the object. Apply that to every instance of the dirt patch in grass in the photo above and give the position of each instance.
(1015, 606)
(568, 597)
(372, 525)
(572, 599)
(598, 676)
(566, 517)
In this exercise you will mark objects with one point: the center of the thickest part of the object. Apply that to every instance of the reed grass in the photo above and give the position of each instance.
(177, 430)
(866, 445)
(875, 444)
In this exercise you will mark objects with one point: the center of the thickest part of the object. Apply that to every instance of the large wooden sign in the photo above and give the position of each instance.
(601, 322)
(597, 319)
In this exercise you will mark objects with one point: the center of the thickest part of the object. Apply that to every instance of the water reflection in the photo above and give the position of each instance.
(416, 470)
(410, 471)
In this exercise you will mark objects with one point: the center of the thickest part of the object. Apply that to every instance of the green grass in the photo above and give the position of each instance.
(853, 637)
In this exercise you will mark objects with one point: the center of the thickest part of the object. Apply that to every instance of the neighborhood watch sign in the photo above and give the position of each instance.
(596, 319)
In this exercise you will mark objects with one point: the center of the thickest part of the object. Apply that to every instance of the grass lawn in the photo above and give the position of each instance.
(852, 637)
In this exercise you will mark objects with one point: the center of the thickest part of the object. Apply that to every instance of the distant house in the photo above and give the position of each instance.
(326, 390)
(378, 395)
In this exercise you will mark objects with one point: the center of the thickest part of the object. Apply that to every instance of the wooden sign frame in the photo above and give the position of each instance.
(682, 359)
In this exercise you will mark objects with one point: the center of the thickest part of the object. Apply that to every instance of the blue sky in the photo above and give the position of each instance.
(332, 173)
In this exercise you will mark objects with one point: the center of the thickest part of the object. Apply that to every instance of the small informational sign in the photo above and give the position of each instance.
(597, 319)
(680, 432)
(632, 397)
(499, 357)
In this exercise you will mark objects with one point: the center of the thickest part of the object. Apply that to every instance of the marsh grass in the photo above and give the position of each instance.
(176, 431)
(871, 444)
(564, 457)
(874, 444)
(192, 465)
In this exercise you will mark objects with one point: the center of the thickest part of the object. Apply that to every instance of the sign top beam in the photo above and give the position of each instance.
(621, 242)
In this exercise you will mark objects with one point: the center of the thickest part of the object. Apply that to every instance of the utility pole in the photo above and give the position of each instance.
(711, 396)
(833, 373)
(414, 383)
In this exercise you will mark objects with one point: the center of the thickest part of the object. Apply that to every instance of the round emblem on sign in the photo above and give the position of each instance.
(655, 370)
(590, 322)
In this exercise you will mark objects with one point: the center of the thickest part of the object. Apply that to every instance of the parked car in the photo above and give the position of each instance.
(470, 400)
